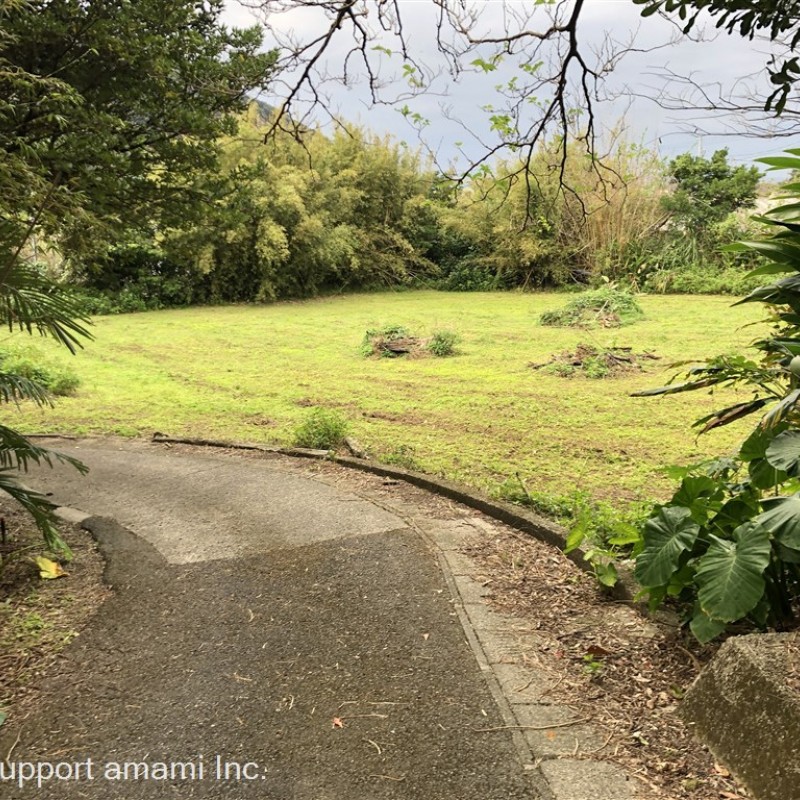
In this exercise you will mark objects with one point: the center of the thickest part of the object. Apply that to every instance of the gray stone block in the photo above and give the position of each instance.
(573, 779)
(742, 707)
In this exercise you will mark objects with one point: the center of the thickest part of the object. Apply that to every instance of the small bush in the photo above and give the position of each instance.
(443, 343)
(322, 429)
(608, 307)
(31, 364)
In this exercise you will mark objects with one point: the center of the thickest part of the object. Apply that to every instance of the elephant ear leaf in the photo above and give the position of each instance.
(781, 517)
(730, 576)
(666, 537)
(783, 452)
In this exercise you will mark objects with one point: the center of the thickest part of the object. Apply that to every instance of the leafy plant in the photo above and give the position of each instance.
(31, 303)
(604, 532)
(608, 306)
(728, 542)
(30, 364)
(322, 429)
(443, 343)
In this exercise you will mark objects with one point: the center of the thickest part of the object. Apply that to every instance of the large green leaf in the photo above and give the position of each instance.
(783, 292)
(666, 537)
(764, 476)
(782, 252)
(730, 576)
(783, 452)
(704, 628)
(756, 444)
(781, 517)
(700, 494)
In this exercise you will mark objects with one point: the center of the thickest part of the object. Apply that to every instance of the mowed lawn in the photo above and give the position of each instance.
(251, 373)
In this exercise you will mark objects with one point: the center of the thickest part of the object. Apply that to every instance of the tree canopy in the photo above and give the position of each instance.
(109, 109)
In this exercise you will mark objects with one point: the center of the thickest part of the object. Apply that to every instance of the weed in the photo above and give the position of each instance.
(322, 429)
(27, 628)
(592, 665)
(402, 455)
(443, 343)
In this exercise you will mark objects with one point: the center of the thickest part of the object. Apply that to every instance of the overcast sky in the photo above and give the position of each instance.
(721, 59)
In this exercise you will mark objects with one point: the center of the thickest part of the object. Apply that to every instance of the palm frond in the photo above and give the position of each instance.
(39, 507)
(14, 388)
(17, 452)
(29, 301)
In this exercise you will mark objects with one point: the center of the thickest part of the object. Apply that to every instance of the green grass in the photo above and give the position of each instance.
(251, 373)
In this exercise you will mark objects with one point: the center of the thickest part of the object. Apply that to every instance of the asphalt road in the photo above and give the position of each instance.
(270, 637)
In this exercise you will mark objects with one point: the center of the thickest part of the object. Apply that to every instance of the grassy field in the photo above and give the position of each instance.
(251, 373)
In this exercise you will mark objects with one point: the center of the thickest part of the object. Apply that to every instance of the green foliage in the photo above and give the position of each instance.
(605, 533)
(136, 274)
(291, 220)
(608, 306)
(700, 279)
(30, 364)
(109, 112)
(322, 429)
(708, 190)
(728, 542)
(443, 343)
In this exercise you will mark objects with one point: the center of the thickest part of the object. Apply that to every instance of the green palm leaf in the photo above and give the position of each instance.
(30, 302)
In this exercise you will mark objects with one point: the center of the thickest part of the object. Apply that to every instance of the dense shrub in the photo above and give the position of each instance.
(443, 343)
(697, 279)
(322, 429)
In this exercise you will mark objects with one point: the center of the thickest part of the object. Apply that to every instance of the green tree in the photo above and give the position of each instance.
(109, 111)
(707, 190)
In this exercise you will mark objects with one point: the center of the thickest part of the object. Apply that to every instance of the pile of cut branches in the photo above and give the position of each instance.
(607, 307)
(394, 341)
(595, 362)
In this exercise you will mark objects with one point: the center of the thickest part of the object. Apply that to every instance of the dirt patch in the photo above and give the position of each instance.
(595, 362)
(38, 618)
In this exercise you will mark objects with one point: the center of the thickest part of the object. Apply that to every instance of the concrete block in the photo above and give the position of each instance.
(743, 708)
(573, 779)
(562, 739)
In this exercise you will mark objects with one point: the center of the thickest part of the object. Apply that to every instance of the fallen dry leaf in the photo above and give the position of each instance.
(48, 570)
